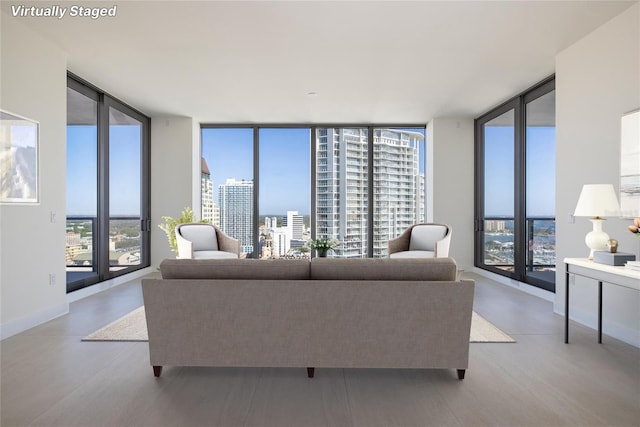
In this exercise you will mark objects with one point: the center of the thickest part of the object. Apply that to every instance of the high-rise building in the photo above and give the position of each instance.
(280, 243)
(236, 211)
(398, 185)
(342, 186)
(206, 190)
(294, 223)
(270, 222)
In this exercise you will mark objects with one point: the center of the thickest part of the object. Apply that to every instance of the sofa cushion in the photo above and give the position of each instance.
(274, 269)
(436, 269)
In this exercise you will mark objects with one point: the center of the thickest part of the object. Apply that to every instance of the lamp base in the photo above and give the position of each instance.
(596, 239)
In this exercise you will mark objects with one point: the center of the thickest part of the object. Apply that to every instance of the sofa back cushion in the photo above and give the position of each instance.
(424, 237)
(203, 236)
(274, 269)
(436, 269)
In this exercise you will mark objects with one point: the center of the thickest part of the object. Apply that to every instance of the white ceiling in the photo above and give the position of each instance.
(382, 62)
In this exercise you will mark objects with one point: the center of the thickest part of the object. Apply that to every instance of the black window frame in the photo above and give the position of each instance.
(104, 103)
(518, 105)
(313, 170)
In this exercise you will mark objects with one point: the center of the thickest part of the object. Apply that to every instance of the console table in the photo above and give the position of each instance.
(620, 276)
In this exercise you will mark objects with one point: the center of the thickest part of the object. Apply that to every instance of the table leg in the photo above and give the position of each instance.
(599, 312)
(566, 304)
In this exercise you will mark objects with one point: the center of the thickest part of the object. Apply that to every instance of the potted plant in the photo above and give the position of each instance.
(323, 245)
(169, 226)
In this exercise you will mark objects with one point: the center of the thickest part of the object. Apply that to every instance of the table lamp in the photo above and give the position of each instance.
(596, 201)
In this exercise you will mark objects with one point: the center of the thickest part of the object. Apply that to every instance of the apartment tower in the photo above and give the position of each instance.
(236, 211)
(342, 186)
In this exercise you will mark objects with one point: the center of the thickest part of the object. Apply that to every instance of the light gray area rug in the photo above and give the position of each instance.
(130, 327)
(484, 331)
(133, 327)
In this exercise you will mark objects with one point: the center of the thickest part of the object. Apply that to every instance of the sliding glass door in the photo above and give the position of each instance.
(128, 230)
(540, 184)
(515, 188)
(497, 239)
(82, 185)
(108, 203)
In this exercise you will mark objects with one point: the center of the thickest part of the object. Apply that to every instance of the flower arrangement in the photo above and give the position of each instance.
(635, 228)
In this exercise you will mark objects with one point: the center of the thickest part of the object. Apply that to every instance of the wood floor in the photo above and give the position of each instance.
(50, 378)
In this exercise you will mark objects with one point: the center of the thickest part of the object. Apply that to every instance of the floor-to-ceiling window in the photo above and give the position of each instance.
(284, 202)
(515, 188)
(107, 187)
(227, 187)
(359, 185)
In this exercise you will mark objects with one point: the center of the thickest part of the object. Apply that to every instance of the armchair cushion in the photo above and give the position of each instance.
(424, 237)
(413, 254)
(202, 236)
(422, 241)
(214, 255)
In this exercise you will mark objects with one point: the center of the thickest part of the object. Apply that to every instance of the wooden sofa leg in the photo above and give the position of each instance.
(461, 373)
(157, 371)
(311, 372)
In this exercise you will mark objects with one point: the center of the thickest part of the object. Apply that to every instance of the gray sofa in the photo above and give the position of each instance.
(331, 313)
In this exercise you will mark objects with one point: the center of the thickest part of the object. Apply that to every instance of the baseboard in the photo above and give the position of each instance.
(17, 326)
(524, 287)
(107, 284)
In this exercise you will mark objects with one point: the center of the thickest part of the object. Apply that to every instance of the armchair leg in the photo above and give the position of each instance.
(311, 372)
(461, 373)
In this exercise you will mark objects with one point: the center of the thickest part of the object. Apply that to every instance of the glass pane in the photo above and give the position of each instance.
(540, 179)
(227, 183)
(125, 157)
(285, 192)
(82, 186)
(499, 191)
(398, 180)
(342, 189)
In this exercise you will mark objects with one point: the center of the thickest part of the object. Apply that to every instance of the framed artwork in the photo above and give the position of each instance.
(18, 159)
(630, 165)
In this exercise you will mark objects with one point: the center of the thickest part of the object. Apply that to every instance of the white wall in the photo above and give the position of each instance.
(453, 183)
(597, 81)
(171, 177)
(33, 75)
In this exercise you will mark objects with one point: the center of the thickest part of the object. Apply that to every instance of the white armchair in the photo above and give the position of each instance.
(205, 241)
(422, 241)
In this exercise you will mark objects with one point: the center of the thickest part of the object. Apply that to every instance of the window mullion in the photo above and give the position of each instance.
(102, 250)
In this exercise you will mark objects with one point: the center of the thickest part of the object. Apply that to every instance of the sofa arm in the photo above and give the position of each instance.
(185, 247)
(400, 243)
(227, 243)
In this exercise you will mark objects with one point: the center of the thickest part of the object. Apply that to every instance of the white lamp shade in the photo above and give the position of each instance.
(597, 200)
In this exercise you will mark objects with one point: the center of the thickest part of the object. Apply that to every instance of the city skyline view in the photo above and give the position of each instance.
(285, 181)
(342, 180)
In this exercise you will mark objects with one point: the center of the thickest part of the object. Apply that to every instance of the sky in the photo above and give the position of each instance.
(499, 171)
(285, 168)
(124, 173)
(285, 156)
